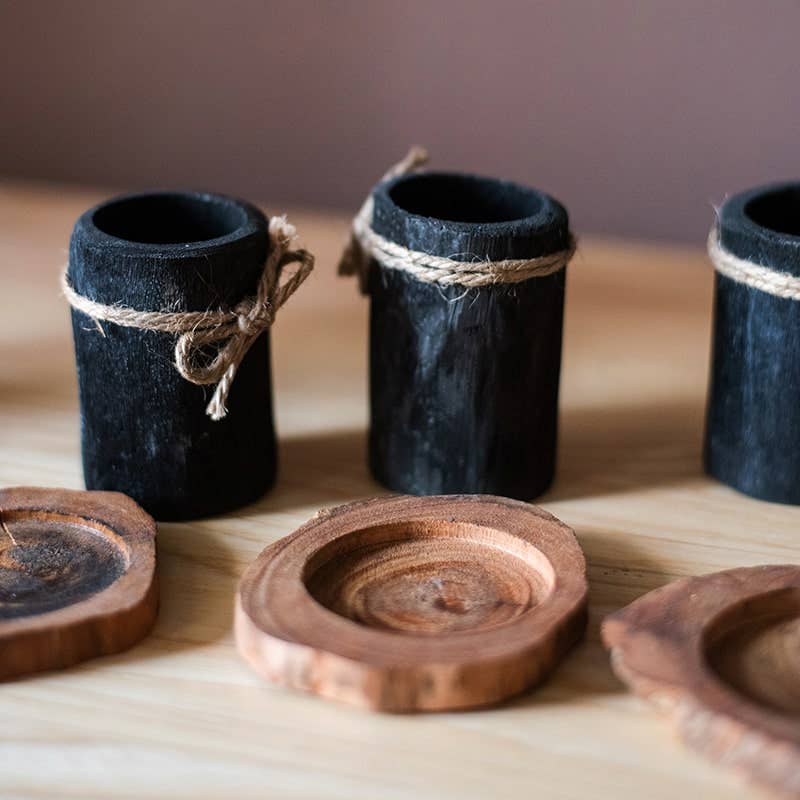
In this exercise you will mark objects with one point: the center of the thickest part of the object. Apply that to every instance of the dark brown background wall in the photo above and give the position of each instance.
(637, 114)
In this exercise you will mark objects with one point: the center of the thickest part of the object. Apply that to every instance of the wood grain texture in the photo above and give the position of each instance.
(719, 655)
(415, 604)
(77, 577)
(191, 720)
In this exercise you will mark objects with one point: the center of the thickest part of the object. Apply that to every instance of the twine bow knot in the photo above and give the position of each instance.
(245, 323)
(228, 333)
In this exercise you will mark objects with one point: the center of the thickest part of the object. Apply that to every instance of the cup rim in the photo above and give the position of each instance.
(251, 221)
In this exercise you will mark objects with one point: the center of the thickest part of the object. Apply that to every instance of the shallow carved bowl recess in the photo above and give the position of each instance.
(77, 577)
(429, 577)
(48, 563)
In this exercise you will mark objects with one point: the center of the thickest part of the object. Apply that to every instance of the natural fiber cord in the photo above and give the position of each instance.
(365, 244)
(233, 331)
(757, 276)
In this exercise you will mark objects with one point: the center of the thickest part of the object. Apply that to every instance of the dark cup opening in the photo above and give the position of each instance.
(465, 198)
(763, 225)
(469, 217)
(777, 210)
(169, 218)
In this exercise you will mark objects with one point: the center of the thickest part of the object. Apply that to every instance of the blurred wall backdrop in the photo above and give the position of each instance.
(637, 114)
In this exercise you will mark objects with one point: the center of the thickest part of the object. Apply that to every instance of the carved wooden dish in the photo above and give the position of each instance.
(415, 603)
(77, 577)
(721, 655)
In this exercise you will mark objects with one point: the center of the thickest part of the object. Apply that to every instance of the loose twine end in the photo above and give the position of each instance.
(356, 257)
(230, 332)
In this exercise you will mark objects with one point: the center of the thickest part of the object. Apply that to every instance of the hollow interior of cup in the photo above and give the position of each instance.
(169, 218)
(754, 647)
(465, 198)
(429, 577)
(778, 210)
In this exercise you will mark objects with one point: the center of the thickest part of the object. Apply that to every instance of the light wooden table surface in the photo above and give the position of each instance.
(181, 716)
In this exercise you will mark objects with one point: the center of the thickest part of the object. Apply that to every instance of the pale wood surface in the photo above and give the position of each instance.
(181, 716)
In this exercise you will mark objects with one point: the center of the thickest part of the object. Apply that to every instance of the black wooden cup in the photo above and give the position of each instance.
(464, 382)
(144, 428)
(753, 424)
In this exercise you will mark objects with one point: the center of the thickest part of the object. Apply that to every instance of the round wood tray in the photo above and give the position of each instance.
(408, 603)
(721, 655)
(77, 577)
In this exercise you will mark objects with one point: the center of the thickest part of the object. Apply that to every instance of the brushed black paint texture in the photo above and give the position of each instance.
(144, 429)
(464, 382)
(752, 439)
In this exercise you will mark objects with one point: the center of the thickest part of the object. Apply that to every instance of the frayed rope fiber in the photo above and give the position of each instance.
(233, 331)
(365, 244)
(757, 276)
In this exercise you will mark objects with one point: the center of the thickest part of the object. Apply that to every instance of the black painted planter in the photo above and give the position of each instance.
(753, 424)
(464, 383)
(144, 428)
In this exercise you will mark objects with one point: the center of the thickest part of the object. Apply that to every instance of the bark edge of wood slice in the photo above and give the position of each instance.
(77, 577)
(415, 603)
(720, 655)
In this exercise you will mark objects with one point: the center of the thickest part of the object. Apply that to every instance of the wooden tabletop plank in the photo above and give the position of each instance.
(181, 716)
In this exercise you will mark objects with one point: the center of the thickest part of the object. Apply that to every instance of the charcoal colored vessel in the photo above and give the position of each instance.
(752, 440)
(144, 429)
(464, 382)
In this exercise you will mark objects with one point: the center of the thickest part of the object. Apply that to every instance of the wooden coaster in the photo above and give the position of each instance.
(721, 655)
(77, 577)
(415, 603)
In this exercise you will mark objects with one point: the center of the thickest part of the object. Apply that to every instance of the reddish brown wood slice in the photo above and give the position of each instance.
(721, 655)
(415, 603)
(77, 577)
